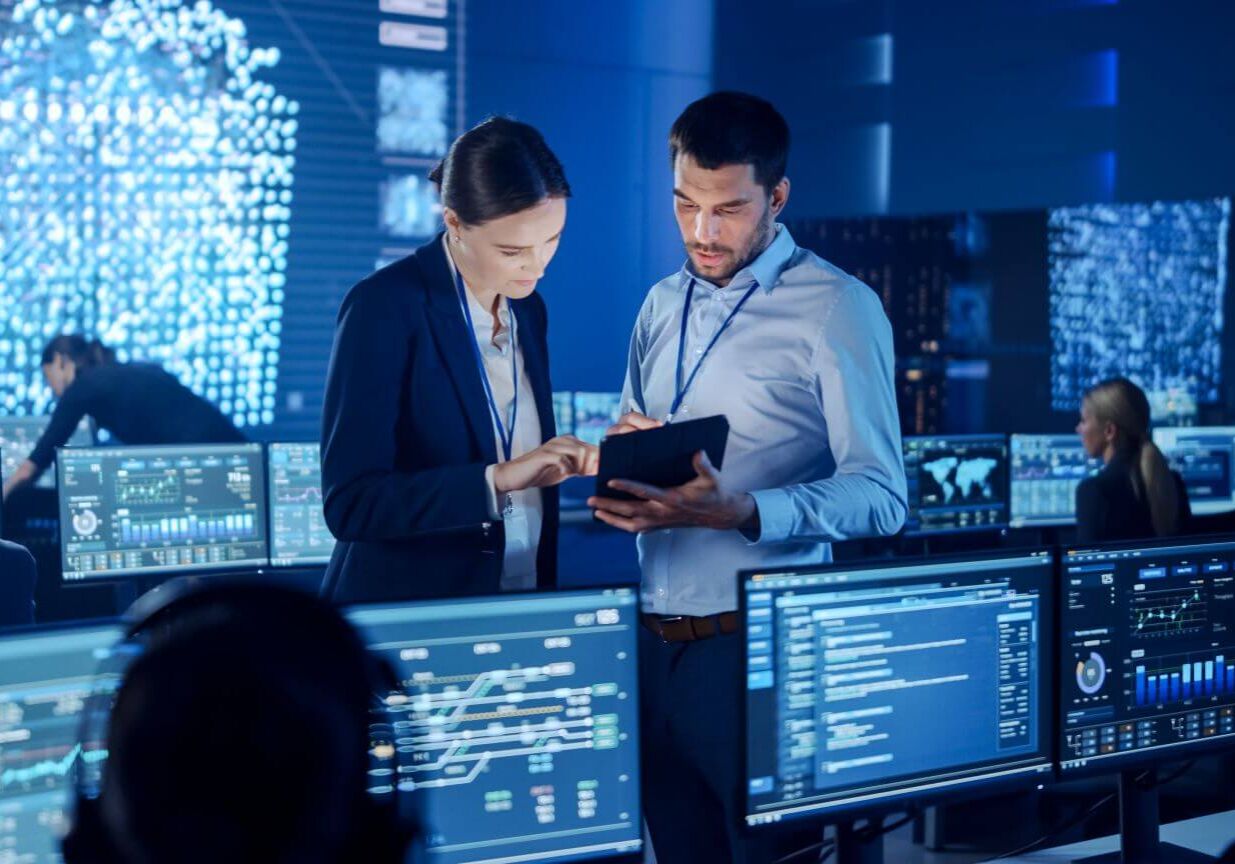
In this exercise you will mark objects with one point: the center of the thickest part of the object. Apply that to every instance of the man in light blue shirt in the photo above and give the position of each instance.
(797, 355)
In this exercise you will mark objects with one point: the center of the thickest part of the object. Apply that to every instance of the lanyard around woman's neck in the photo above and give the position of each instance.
(507, 436)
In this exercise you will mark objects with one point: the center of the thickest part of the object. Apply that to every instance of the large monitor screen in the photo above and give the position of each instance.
(517, 723)
(1205, 458)
(159, 511)
(45, 679)
(18, 435)
(1138, 289)
(871, 685)
(956, 483)
(1147, 653)
(1046, 469)
(298, 532)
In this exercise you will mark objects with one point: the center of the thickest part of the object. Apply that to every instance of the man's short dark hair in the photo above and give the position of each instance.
(729, 128)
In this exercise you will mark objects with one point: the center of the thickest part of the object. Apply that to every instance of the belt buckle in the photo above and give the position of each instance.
(662, 620)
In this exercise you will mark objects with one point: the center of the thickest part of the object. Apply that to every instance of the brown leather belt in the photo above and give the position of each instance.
(690, 628)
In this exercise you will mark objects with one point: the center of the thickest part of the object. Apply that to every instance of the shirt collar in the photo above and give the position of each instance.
(765, 269)
(482, 318)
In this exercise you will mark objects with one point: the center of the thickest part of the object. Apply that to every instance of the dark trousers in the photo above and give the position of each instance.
(694, 757)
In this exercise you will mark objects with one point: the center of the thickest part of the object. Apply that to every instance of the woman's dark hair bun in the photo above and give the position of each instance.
(497, 168)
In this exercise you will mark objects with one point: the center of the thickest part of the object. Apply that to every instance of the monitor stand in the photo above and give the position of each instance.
(855, 846)
(1138, 830)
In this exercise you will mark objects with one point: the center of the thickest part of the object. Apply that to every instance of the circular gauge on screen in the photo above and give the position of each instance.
(85, 522)
(1091, 673)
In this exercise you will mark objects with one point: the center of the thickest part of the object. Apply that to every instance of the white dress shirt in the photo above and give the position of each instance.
(805, 376)
(524, 522)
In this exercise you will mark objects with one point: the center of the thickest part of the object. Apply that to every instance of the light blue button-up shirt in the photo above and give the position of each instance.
(804, 375)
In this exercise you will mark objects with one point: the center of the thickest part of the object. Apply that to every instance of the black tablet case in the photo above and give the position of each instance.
(661, 457)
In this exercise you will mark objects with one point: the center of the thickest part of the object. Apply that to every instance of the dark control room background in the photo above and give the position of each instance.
(1039, 191)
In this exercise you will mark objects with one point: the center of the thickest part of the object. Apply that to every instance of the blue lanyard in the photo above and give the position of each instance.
(681, 389)
(507, 438)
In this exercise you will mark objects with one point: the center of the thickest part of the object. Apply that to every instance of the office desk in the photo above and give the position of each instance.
(1208, 834)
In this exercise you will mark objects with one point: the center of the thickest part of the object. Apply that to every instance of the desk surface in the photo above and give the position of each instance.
(1208, 834)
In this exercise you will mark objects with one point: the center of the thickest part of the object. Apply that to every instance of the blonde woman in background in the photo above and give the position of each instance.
(1136, 495)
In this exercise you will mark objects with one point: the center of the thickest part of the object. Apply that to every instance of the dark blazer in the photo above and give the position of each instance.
(1108, 507)
(406, 437)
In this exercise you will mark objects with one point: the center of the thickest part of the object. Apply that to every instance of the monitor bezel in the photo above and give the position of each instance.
(151, 576)
(989, 528)
(277, 564)
(1117, 762)
(896, 800)
(634, 857)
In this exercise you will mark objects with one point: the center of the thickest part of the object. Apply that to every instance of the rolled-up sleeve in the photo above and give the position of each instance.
(866, 496)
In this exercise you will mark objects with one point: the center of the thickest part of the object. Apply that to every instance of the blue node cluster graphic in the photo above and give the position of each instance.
(145, 194)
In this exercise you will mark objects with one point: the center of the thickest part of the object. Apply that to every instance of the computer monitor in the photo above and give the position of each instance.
(1205, 457)
(517, 723)
(46, 676)
(161, 511)
(1147, 653)
(869, 686)
(1046, 469)
(18, 435)
(564, 411)
(595, 413)
(298, 532)
(956, 483)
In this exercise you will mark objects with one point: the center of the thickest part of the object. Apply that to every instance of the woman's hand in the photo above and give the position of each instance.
(548, 465)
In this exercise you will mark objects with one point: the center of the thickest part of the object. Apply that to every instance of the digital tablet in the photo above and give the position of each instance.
(660, 457)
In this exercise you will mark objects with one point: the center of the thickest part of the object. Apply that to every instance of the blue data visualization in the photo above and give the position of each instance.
(1204, 456)
(298, 532)
(1147, 652)
(956, 483)
(45, 679)
(854, 675)
(129, 511)
(1046, 469)
(515, 725)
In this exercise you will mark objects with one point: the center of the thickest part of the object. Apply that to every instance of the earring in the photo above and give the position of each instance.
(455, 238)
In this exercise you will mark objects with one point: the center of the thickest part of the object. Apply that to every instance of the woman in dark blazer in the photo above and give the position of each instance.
(1136, 495)
(439, 456)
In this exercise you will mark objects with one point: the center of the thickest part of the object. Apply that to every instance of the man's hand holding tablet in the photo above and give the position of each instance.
(664, 477)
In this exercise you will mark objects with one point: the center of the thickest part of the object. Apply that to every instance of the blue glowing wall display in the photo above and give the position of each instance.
(1137, 290)
(145, 192)
(410, 207)
(413, 111)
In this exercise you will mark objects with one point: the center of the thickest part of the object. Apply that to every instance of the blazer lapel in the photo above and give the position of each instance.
(536, 361)
(454, 342)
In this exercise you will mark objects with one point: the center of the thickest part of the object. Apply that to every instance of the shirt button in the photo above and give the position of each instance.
(660, 591)
(698, 351)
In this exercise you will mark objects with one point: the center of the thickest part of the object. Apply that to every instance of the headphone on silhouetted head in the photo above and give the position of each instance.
(313, 653)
